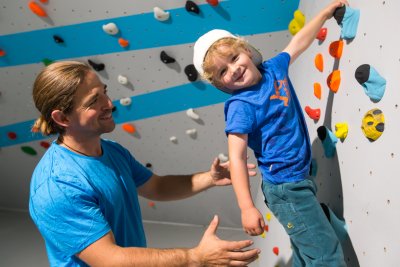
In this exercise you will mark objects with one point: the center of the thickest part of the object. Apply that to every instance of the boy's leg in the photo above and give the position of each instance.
(297, 209)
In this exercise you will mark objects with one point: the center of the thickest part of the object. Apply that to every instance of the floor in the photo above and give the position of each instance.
(21, 244)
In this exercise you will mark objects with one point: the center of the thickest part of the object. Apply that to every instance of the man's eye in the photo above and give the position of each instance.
(222, 72)
(235, 57)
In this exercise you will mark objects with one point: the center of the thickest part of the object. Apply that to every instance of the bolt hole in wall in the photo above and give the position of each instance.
(355, 105)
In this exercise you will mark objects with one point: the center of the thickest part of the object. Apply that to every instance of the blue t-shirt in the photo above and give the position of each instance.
(270, 113)
(75, 200)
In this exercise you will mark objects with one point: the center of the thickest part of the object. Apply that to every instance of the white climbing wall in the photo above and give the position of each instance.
(359, 183)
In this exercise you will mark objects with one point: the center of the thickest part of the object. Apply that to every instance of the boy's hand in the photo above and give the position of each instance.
(330, 9)
(221, 175)
(252, 221)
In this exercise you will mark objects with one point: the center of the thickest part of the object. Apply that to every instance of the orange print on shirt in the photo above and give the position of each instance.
(278, 85)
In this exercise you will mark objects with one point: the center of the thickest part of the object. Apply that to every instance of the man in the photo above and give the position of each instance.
(84, 191)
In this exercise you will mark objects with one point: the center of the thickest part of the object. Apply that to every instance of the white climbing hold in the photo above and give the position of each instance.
(160, 14)
(173, 139)
(190, 112)
(191, 132)
(110, 28)
(125, 101)
(122, 79)
(222, 157)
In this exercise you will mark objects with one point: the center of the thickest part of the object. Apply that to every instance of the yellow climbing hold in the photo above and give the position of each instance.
(373, 124)
(297, 22)
(263, 235)
(268, 216)
(342, 129)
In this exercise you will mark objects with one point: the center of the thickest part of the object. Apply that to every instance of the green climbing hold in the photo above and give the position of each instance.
(28, 150)
(47, 61)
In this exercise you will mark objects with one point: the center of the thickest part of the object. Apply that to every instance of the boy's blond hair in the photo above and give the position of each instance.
(233, 44)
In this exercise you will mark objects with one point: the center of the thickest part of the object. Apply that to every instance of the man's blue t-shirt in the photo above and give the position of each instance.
(270, 113)
(75, 200)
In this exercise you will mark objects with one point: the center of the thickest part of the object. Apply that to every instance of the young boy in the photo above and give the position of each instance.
(264, 114)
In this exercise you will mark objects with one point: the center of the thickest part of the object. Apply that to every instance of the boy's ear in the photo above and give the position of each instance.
(59, 117)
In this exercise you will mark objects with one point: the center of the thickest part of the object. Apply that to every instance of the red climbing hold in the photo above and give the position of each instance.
(12, 135)
(322, 34)
(313, 113)
(2, 53)
(276, 251)
(45, 144)
(213, 2)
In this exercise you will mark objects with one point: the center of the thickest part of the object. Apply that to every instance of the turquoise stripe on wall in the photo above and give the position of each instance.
(144, 31)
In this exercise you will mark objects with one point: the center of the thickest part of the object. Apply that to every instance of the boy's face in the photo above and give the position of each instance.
(236, 70)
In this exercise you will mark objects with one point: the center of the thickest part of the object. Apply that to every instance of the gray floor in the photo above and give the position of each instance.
(21, 244)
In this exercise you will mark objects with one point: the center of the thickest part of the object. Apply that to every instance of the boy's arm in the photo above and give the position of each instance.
(252, 220)
(302, 40)
(237, 156)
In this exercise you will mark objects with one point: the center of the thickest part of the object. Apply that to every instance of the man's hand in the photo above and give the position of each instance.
(221, 175)
(213, 251)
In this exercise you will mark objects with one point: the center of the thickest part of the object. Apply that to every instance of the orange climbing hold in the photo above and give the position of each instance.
(122, 42)
(336, 49)
(2, 53)
(38, 10)
(319, 62)
(333, 81)
(266, 228)
(317, 90)
(129, 128)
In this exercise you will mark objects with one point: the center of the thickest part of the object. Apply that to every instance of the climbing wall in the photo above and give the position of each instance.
(357, 180)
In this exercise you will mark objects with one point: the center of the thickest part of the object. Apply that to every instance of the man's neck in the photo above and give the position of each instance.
(90, 147)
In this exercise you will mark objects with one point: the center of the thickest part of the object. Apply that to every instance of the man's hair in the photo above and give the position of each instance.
(54, 89)
(234, 45)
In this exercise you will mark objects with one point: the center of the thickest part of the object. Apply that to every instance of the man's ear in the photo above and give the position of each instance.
(59, 117)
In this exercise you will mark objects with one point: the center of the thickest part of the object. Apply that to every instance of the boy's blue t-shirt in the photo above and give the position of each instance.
(75, 200)
(270, 113)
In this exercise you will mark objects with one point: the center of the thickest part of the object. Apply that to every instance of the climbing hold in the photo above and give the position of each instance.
(373, 124)
(12, 135)
(148, 165)
(114, 108)
(317, 90)
(152, 204)
(313, 113)
(213, 2)
(123, 42)
(96, 66)
(268, 216)
(160, 14)
(319, 62)
(297, 22)
(122, 79)
(191, 72)
(336, 49)
(44, 144)
(37, 9)
(321, 36)
(58, 39)
(276, 251)
(329, 141)
(191, 114)
(338, 225)
(125, 101)
(28, 150)
(173, 139)
(44, 1)
(129, 128)
(47, 61)
(374, 84)
(347, 18)
(110, 28)
(191, 132)
(165, 58)
(342, 129)
(313, 168)
(192, 7)
(2, 53)
(222, 157)
(266, 228)
(333, 81)
(263, 235)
